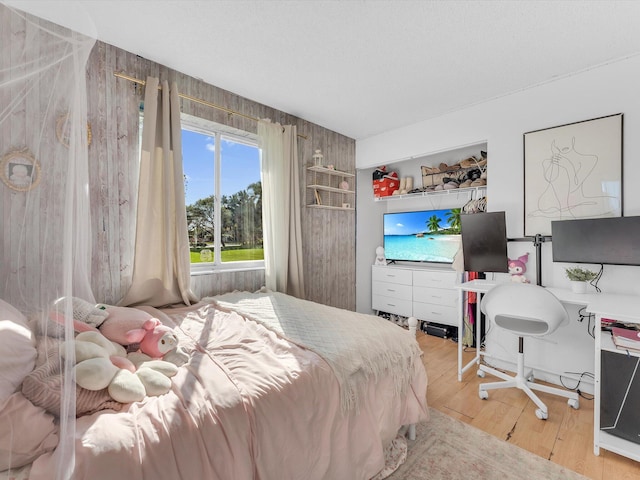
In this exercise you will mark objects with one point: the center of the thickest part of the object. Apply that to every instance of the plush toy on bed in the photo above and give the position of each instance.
(157, 341)
(126, 326)
(518, 267)
(84, 314)
(101, 363)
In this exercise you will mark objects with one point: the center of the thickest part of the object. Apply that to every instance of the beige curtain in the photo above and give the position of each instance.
(281, 208)
(161, 268)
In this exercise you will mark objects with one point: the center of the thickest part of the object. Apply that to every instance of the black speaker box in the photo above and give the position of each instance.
(438, 330)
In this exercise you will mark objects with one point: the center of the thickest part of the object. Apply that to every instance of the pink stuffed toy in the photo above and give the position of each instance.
(155, 339)
(158, 341)
(120, 321)
(518, 267)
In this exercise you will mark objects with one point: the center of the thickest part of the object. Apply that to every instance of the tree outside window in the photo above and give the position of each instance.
(223, 195)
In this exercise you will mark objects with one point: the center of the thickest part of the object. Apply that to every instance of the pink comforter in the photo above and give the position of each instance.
(248, 405)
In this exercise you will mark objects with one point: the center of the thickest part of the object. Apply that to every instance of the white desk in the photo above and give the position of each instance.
(624, 308)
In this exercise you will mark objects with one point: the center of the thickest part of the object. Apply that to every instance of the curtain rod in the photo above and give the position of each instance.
(194, 99)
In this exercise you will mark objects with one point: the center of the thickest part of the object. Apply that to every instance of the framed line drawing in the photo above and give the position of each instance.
(572, 171)
(19, 170)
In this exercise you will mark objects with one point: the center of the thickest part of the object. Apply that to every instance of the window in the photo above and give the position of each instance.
(223, 196)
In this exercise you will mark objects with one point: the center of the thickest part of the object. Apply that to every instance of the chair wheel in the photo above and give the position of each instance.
(480, 373)
(542, 415)
(574, 403)
(483, 394)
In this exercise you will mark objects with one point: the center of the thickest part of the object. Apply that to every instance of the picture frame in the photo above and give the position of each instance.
(572, 171)
(19, 170)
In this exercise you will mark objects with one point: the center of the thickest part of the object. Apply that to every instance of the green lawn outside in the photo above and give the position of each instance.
(234, 255)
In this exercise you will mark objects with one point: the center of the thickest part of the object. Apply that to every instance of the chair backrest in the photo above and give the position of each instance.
(524, 309)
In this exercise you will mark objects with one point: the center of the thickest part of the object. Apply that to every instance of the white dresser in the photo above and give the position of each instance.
(428, 294)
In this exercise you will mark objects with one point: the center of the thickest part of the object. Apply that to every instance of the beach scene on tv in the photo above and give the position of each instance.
(422, 236)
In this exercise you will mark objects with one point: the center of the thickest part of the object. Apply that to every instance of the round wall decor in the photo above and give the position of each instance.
(20, 170)
(62, 130)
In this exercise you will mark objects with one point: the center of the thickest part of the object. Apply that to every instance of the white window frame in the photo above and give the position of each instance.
(219, 131)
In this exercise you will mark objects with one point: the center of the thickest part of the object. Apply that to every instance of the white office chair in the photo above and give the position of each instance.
(525, 310)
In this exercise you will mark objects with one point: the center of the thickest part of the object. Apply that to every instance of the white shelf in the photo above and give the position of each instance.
(329, 207)
(330, 189)
(330, 171)
(619, 445)
(470, 191)
(323, 189)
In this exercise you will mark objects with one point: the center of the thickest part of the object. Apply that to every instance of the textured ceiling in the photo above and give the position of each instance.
(362, 67)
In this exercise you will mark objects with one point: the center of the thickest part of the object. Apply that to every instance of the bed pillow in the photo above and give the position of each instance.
(17, 344)
(26, 432)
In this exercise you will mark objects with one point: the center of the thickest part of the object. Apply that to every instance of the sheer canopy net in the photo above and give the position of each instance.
(45, 224)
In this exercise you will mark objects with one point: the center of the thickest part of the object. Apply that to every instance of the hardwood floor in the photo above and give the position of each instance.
(566, 437)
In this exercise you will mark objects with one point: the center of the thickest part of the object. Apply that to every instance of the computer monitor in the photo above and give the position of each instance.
(484, 242)
(610, 241)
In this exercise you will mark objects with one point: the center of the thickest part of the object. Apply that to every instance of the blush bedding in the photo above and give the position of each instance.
(262, 398)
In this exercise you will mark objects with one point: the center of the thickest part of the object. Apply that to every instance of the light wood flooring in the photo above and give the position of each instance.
(566, 437)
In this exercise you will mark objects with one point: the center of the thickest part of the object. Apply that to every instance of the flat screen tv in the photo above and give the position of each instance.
(610, 241)
(422, 236)
(484, 242)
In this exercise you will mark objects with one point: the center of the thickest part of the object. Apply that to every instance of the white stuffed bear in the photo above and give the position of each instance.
(101, 363)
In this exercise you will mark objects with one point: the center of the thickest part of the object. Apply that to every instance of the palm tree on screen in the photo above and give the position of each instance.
(453, 217)
(433, 224)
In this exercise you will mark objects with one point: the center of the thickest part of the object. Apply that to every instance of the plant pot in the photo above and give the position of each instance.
(578, 286)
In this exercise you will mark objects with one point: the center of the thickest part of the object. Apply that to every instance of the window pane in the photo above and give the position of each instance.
(241, 202)
(198, 154)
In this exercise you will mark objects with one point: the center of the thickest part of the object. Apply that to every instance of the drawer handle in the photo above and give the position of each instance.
(391, 304)
(390, 290)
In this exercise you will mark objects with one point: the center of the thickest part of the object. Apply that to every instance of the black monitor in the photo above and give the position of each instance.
(610, 241)
(484, 242)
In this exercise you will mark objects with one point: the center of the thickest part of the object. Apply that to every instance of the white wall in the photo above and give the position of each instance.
(601, 91)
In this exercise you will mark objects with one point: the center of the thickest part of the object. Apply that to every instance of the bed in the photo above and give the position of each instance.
(275, 388)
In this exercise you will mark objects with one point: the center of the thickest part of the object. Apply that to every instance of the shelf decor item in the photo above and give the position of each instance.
(318, 158)
(579, 278)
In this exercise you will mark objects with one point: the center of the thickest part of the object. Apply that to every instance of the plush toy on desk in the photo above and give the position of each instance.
(518, 267)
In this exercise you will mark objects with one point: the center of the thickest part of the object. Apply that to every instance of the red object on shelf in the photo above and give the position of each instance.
(386, 185)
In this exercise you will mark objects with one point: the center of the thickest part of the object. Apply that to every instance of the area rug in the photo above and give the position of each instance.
(448, 449)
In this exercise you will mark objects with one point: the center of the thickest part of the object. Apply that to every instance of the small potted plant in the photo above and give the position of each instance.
(579, 278)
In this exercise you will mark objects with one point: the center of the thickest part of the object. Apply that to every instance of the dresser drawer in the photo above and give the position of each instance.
(433, 278)
(438, 296)
(436, 313)
(391, 275)
(392, 305)
(393, 290)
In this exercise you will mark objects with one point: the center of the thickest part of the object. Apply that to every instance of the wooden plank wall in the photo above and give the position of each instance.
(32, 223)
(113, 112)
